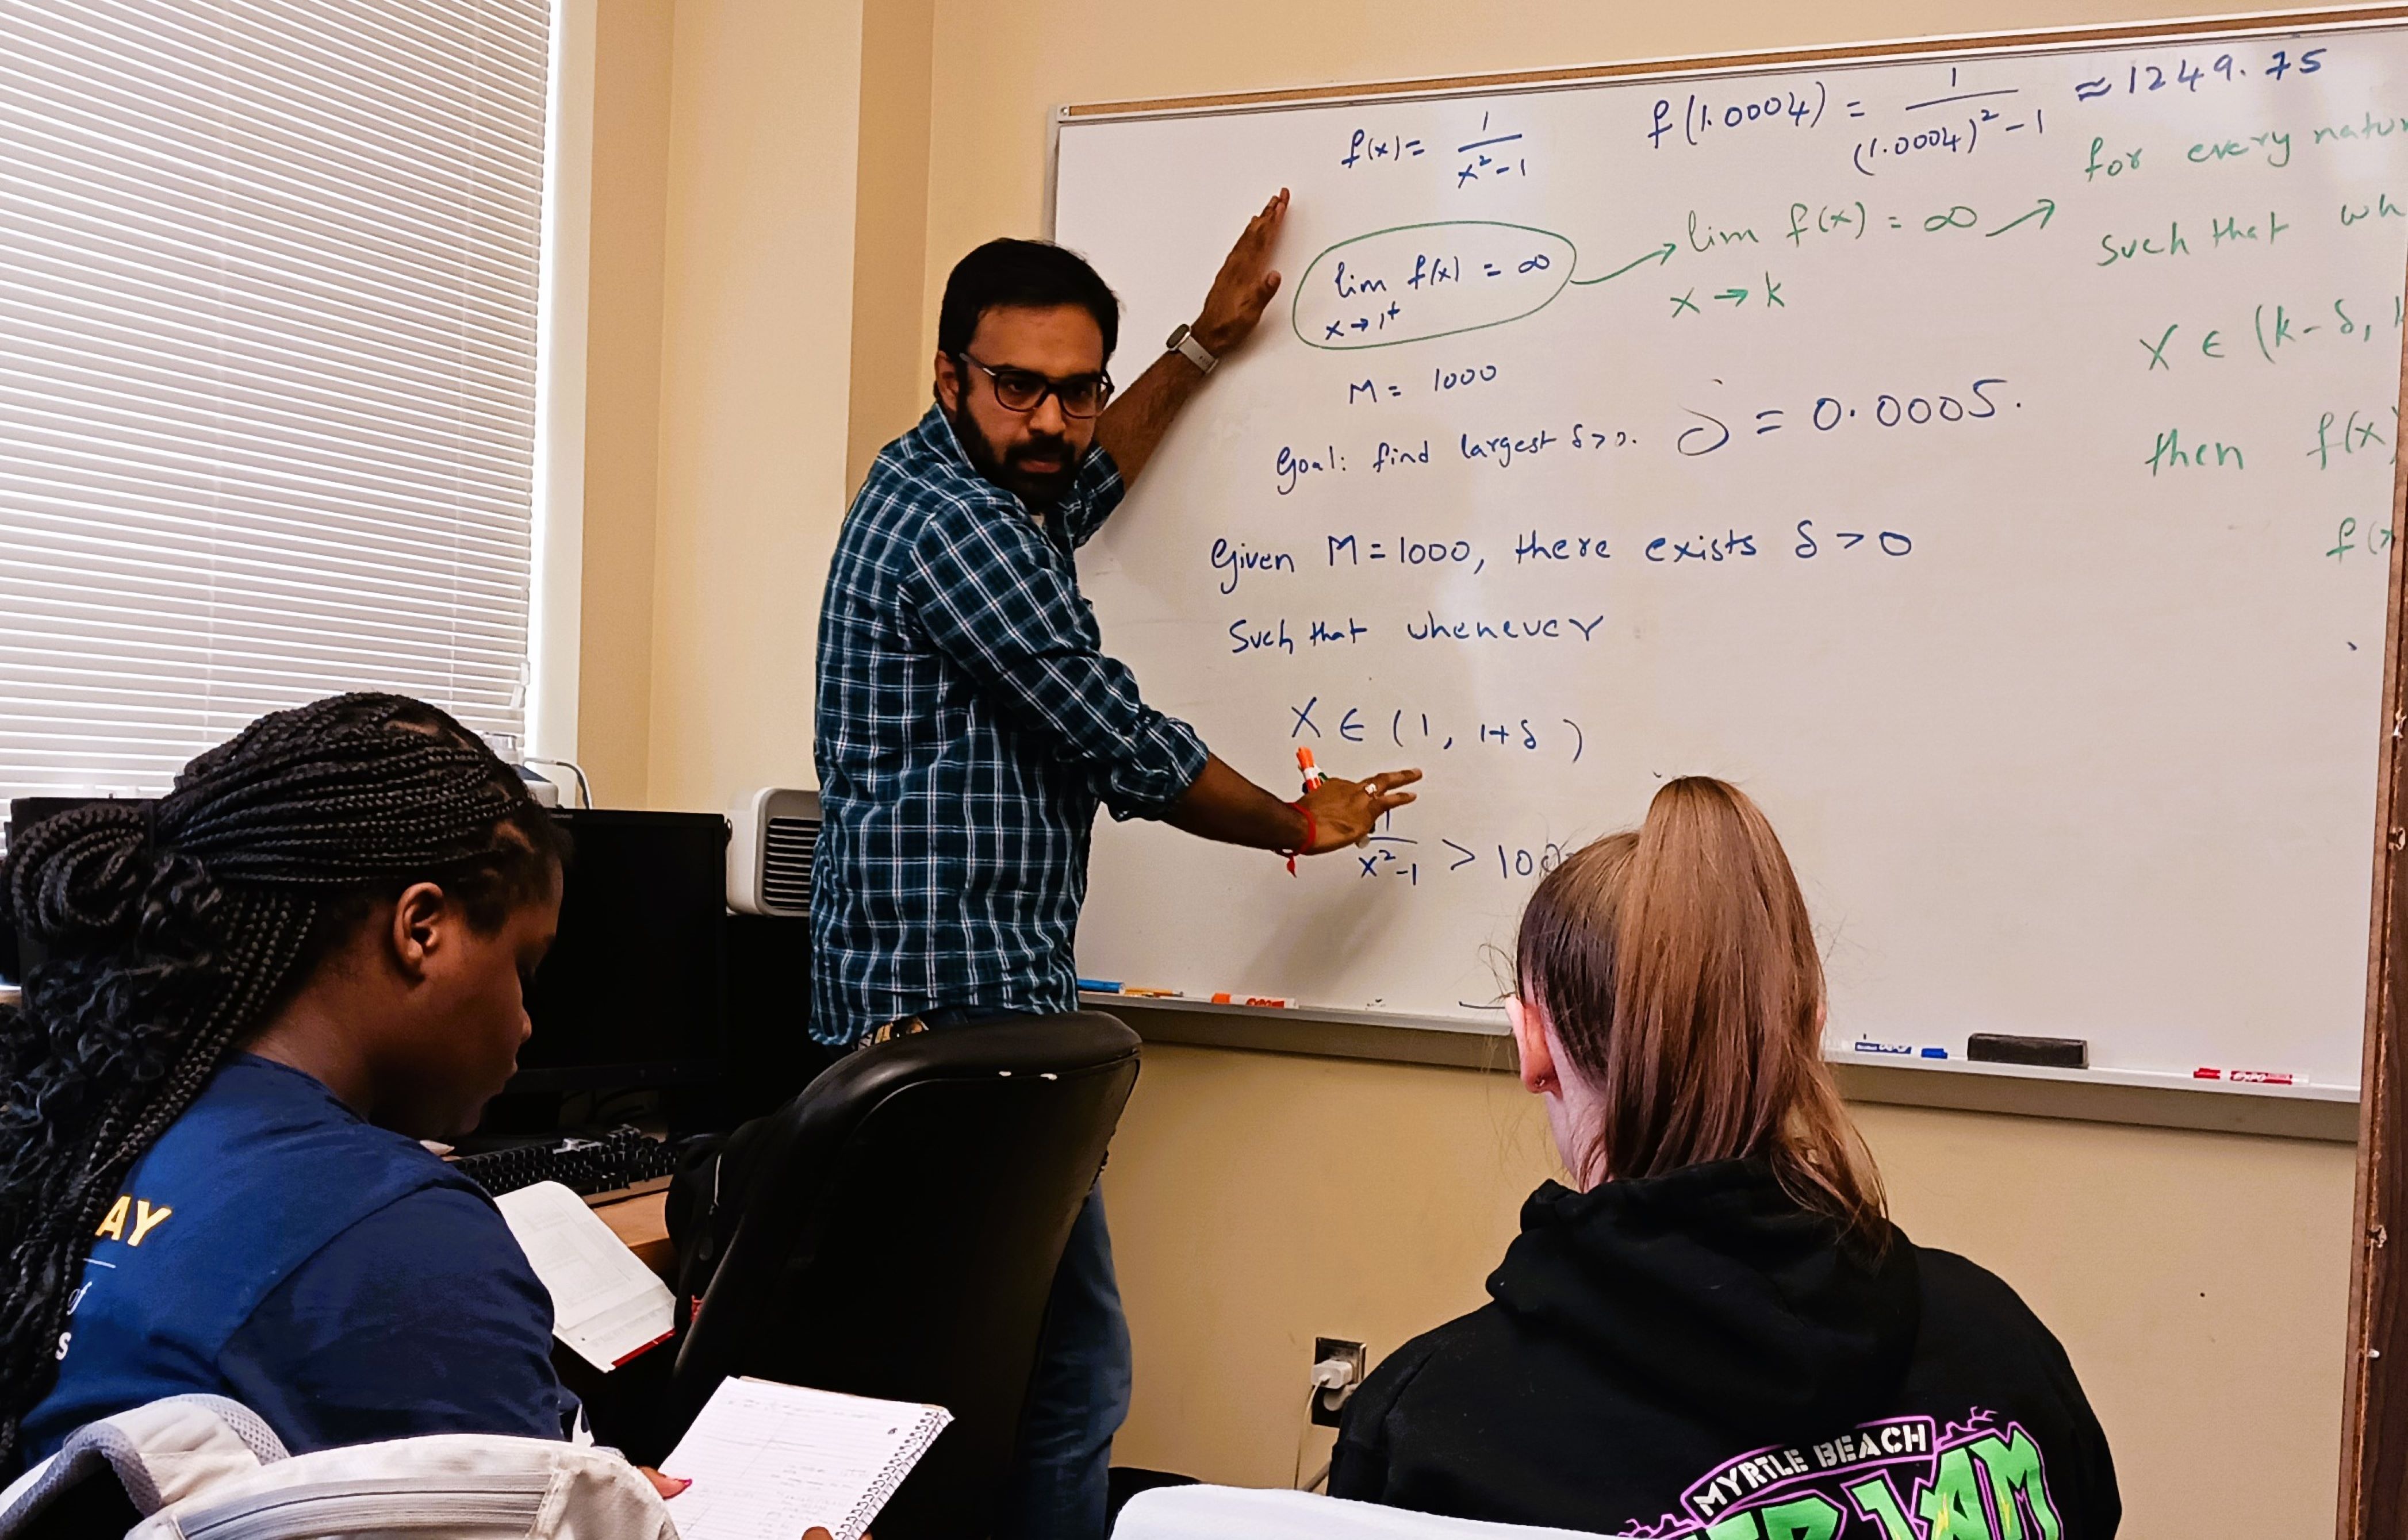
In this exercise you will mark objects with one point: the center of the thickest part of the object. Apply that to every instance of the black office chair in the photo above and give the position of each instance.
(905, 1217)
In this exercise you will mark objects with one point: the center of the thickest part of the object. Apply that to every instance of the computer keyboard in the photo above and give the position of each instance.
(620, 1158)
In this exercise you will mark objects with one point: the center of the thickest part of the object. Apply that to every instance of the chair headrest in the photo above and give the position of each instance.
(1075, 1043)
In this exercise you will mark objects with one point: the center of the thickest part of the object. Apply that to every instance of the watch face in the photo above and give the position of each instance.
(1177, 336)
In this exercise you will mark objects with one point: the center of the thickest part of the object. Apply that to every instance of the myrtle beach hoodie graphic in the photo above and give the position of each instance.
(1696, 1357)
(1900, 1479)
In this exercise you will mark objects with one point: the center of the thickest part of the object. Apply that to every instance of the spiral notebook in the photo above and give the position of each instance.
(767, 1461)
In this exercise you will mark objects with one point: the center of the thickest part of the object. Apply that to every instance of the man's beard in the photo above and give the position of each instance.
(1039, 490)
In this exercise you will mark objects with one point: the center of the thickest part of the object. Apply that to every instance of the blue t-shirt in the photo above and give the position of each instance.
(330, 1275)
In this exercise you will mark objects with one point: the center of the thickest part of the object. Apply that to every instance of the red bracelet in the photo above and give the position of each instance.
(1311, 833)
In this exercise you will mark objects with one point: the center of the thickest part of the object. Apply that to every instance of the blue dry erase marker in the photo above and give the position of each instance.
(1100, 985)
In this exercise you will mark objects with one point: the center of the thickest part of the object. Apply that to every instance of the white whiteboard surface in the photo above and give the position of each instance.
(1855, 377)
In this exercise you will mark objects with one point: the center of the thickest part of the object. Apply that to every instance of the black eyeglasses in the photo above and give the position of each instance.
(1026, 389)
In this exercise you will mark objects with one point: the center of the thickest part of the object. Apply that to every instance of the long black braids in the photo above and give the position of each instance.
(171, 930)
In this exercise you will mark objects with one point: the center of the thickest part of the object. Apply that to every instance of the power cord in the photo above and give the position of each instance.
(584, 788)
(1334, 1383)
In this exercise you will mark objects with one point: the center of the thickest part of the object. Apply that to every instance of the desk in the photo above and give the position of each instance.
(641, 1221)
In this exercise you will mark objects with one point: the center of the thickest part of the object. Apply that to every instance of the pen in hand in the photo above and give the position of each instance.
(1313, 779)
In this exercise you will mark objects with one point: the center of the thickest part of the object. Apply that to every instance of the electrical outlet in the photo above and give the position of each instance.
(1327, 1403)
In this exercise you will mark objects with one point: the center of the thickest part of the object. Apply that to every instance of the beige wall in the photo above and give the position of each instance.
(622, 395)
(757, 338)
(727, 148)
(815, 166)
(793, 324)
(890, 375)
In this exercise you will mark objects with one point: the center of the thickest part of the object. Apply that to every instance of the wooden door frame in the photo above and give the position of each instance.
(2375, 1409)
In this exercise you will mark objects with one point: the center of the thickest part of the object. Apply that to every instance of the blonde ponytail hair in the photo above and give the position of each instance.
(1677, 966)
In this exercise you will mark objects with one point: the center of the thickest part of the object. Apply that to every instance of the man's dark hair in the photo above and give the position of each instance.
(173, 930)
(1037, 275)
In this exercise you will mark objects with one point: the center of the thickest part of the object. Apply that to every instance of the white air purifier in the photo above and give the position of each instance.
(769, 851)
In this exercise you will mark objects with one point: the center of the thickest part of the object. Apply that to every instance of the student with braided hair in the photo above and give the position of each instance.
(256, 995)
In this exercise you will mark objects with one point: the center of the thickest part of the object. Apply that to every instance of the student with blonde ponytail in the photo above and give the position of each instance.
(1716, 1332)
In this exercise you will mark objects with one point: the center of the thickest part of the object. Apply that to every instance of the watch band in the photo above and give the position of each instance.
(1183, 341)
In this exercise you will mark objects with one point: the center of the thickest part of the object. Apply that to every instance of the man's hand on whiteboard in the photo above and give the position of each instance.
(1343, 811)
(1225, 805)
(1133, 423)
(1245, 283)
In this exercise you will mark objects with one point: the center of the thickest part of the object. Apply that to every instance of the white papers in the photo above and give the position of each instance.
(768, 1461)
(605, 1305)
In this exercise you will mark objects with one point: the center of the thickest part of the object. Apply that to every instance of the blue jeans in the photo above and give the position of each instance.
(1078, 1394)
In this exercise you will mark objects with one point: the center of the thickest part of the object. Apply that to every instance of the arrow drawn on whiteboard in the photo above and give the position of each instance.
(1468, 857)
(2047, 206)
(1659, 256)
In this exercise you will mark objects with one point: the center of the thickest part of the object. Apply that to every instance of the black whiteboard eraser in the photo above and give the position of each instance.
(2000, 1048)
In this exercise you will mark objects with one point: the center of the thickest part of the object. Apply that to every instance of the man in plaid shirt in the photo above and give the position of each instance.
(970, 723)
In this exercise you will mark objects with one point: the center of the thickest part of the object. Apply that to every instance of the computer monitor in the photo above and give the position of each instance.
(24, 812)
(633, 991)
(12, 965)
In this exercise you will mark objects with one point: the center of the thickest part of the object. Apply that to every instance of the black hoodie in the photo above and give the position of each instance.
(1694, 1355)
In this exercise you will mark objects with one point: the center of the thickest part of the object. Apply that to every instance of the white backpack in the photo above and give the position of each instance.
(201, 1467)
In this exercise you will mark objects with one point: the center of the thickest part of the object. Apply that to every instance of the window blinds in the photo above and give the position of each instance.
(268, 282)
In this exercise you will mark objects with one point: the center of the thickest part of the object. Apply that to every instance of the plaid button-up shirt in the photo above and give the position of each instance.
(968, 724)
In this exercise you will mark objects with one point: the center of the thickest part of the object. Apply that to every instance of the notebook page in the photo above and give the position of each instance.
(605, 1305)
(768, 1461)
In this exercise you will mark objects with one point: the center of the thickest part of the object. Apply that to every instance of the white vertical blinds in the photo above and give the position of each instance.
(268, 280)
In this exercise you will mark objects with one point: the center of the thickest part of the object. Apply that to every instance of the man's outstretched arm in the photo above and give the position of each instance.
(1225, 805)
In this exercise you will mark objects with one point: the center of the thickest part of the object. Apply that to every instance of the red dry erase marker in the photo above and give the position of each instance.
(1313, 779)
(2251, 1077)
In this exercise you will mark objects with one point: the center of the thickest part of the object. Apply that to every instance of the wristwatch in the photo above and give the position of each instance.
(1182, 340)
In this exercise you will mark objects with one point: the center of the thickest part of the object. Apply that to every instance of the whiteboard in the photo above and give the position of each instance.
(1985, 460)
